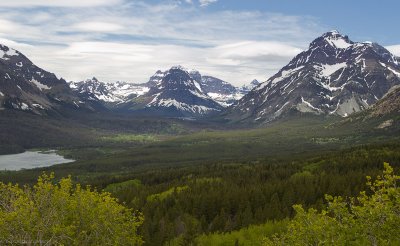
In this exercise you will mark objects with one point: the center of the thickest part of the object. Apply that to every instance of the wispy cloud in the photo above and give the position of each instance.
(204, 3)
(131, 40)
(57, 3)
(97, 26)
(395, 49)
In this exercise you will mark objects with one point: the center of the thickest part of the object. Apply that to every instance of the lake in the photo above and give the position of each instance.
(31, 159)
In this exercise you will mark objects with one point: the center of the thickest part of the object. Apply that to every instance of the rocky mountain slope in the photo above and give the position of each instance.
(111, 94)
(335, 76)
(219, 90)
(26, 87)
(175, 93)
(385, 114)
(120, 94)
(389, 104)
(244, 89)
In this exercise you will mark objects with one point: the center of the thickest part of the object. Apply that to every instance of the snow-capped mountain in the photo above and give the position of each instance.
(156, 78)
(109, 93)
(335, 76)
(113, 94)
(24, 86)
(244, 89)
(175, 93)
(220, 91)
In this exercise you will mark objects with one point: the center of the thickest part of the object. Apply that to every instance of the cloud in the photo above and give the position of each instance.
(15, 45)
(395, 49)
(251, 49)
(130, 41)
(97, 26)
(111, 61)
(7, 26)
(57, 3)
(204, 3)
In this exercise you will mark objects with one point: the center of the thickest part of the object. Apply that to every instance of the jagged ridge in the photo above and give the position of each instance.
(335, 76)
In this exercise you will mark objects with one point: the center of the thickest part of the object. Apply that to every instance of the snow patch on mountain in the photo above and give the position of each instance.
(6, 52)
(196, 109)
(284, 74)
(397, 73)
(307, 107)
(338, 43)
(327, 70)
(114, 93)
(39, 85)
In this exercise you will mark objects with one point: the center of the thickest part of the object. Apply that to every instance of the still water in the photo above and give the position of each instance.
(31, 159)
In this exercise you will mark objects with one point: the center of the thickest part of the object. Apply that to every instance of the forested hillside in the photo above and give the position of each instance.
(222, 202)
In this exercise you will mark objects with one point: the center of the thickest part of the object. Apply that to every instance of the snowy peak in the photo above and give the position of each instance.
(178, 76)
(109, 93)
(176, 94)
(93, 89)
(219, 90)
(335, 76)
(331, 41)
(178, 79)
(335, 39)
(210, 84)
(24, 86)
(156, 78)
(248, 87)
(254, 83)
(196, 75)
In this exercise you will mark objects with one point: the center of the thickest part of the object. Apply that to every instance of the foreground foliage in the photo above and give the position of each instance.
(251, 235)
(64, 214)
(364, 220)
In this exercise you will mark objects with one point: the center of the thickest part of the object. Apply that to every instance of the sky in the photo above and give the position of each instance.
(234, 40)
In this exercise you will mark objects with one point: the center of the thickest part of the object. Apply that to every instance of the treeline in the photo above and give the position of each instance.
(22, 130)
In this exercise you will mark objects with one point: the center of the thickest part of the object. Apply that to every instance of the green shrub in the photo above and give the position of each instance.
(64, 214)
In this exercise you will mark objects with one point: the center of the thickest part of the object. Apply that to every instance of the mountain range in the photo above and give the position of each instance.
(175, 92)
(334, 76)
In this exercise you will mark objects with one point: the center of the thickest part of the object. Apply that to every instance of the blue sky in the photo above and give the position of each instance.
(362, 20)
(234, 40)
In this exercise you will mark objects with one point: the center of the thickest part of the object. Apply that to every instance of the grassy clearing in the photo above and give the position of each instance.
(252, 235)
(163, 195)
(116, 187)
(131, 138)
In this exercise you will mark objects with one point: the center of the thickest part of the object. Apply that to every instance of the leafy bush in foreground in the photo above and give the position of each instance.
(64, 214)
(365, 220)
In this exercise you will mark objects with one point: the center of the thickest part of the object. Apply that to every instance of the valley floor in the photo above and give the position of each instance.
(196, 183)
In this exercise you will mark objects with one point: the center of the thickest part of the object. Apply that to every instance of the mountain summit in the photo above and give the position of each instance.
(175, 93)
(334, 76)
(110, 94)
(26, 87)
